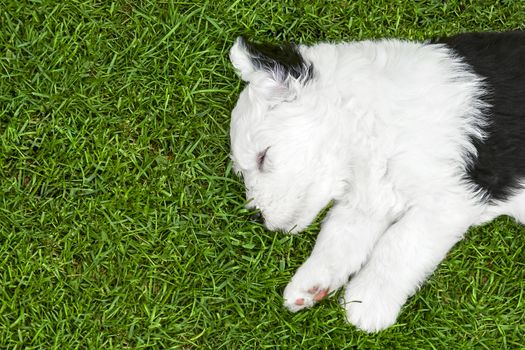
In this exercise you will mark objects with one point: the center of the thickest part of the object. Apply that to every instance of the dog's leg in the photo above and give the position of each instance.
(402, 259)
(515, 207)
(345, 240)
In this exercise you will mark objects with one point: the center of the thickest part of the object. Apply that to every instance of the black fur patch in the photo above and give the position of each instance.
(500, 59)
(281, 60)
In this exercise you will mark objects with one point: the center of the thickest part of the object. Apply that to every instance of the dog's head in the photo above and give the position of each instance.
(282, 139)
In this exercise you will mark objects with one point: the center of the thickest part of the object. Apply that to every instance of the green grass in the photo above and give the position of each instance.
(121, 223)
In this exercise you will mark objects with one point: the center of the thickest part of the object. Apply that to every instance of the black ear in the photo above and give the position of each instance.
(281, 62)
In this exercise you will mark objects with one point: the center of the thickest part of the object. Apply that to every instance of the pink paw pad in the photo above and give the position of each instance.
(318, 295)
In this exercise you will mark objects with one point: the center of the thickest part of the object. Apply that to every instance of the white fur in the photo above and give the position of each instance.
(382, 130)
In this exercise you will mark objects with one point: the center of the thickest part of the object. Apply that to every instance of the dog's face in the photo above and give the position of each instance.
(280, 140)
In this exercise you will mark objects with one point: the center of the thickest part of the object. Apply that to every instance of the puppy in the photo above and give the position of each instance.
(411, 142)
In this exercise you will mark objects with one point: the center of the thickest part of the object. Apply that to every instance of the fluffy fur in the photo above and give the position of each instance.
(412, 142)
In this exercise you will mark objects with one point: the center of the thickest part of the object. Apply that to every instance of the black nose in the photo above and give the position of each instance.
(257, 217)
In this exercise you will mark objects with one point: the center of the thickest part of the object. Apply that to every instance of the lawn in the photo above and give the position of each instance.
(121, 222)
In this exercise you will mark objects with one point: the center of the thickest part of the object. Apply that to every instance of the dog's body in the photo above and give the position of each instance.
(413, 142)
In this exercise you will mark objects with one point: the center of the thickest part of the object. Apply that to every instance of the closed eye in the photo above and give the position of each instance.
(261, 157)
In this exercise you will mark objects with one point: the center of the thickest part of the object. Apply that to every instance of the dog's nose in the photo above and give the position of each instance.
(257, 217)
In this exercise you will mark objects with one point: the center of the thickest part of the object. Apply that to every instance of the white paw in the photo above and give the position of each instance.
(311, 283)
(370, 307)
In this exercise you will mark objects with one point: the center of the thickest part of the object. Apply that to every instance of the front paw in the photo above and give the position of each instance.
(311, 283)
(296, 299)
(370, 307)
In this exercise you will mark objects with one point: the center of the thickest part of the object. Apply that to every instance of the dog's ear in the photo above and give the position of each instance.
(264, 63)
